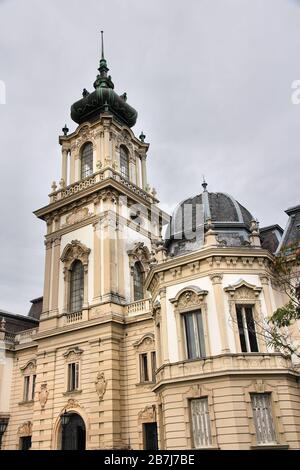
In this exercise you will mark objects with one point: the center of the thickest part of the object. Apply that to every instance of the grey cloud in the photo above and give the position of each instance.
(211, 81)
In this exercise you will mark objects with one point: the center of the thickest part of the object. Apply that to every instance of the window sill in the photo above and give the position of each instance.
(149, 382)
(72, 392)
(27, 402)
(270, 447)
(207, 448)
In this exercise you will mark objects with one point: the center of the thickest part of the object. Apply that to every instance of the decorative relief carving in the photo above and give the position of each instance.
(25, 429)
(147, 415)
(77, 216)
(140, 253)
(188, 298)
(73, 354)
(29, 367)
(43, 395)
(146, 343)
(242, 290)
(100, 385)
(73, 251)
(72, 404)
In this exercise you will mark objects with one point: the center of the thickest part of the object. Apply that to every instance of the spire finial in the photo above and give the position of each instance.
(102, 46)
(204, 184)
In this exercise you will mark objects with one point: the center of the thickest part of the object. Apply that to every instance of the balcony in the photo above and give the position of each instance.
(224, 364)
(138, 307)
(98, 177)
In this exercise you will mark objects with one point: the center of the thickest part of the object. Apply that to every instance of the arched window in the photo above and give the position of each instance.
(76, 287)
(124, 162)
(138, 278)
(87, 160)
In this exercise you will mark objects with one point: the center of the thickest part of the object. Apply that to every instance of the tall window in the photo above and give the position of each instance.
(76, 287)
(87, 160)
(73, 376)
(263, 420)
(246, 327)
(138, 288)
(201, 423)
(29, 387)
(147, 367)
(124, 162)
(195, 343)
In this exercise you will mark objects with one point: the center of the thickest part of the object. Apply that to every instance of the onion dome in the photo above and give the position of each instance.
(220, 212)
(103, 99)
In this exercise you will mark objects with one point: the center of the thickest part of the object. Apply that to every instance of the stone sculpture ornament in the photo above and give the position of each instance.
(101, 384)
(43, 395)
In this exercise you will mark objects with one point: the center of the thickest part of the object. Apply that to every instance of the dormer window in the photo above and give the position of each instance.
(87, 160)
(124, 162)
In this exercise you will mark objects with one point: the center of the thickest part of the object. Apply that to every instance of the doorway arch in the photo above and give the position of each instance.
(72, 435)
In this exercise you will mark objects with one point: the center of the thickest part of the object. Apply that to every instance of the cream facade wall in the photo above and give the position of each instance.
(6, 373)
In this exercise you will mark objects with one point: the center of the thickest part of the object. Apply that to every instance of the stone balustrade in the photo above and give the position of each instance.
(138, 307)
(223, 364)
(97, 177)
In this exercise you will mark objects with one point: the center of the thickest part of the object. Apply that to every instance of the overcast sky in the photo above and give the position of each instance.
(210, 79)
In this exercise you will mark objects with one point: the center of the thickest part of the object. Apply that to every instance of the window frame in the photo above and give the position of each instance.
(87, 159)
(244, 326)
(124, 162)
(29, 382)
(138, 268)
(198, 337)
(73, 301)
(208, 421)
(188, 300)
(270, 418)
(73, 376)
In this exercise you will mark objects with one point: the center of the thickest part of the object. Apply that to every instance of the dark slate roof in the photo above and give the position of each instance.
(36, 308)
(291, 233)
(230, 220)
(270, 237)
(15, 322)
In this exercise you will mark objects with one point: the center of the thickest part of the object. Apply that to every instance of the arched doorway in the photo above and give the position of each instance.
(73, 434)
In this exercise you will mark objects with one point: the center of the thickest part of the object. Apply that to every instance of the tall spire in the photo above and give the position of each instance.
(204, 184)
(103, 69)
(102, 80)
(102, 46)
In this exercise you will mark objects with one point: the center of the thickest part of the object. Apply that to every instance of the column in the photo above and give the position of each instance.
(73, 156)
(137, 170)
(97, 257)
(144, 171)
(55, 275)
(47, 276)
(164, 327)
(64, 166)
(216, 280)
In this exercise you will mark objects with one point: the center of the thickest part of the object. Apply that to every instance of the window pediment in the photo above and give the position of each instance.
(189, 297)
(29, 367)
(73, 354)
(75, 251)
(146, 343)
(243, 290)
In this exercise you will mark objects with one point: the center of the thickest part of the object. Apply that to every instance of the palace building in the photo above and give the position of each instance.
(148, 334)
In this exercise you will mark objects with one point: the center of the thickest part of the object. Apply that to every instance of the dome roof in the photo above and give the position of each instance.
(193, 216)
(103, 99)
